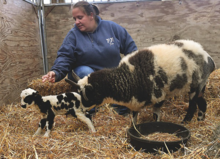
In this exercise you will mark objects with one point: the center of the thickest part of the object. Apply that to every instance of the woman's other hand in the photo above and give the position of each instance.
(50, 76)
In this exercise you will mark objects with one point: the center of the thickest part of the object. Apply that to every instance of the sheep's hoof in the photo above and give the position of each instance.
(187, 119)
(47, 134)
(201, 116)
(36, 134)
(200, 119)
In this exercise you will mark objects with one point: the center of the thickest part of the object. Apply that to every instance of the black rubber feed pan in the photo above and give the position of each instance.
(152, 127)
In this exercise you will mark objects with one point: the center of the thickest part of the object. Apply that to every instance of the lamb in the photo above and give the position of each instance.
(50, 106)
(149, 77)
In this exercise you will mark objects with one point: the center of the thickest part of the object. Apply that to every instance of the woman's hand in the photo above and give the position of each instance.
(50, 76)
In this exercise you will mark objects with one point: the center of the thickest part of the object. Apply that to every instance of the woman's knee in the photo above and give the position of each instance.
(83, 71)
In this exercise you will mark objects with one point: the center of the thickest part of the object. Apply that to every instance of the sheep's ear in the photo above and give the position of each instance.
(87, 91)
(89, 87)
(75, 85)
(75, 77)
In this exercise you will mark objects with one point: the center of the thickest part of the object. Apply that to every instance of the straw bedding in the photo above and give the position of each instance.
(159, 136)
(71, 138)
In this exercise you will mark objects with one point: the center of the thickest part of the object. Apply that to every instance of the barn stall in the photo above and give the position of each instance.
(23, 61)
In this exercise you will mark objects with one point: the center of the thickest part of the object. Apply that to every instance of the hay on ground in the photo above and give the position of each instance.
(71, 138)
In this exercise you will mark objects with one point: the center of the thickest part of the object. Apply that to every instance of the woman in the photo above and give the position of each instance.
(92, 44)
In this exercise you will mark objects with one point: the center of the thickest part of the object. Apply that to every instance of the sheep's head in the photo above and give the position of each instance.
(27, 97)
(84, 89)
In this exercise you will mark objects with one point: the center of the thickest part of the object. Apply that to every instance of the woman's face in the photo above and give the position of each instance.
(84, 22)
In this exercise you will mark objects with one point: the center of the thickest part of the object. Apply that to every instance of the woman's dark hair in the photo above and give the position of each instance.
(87, 8)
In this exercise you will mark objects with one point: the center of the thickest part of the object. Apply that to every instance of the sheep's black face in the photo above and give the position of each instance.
(90, 96)
(87, 102)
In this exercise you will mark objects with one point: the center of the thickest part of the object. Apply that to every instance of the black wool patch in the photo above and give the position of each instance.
(38, 99)
(199, 60)
(157, 92)
(77, 103)
(63, 106)
(194, 84)
(72, 112)
(60, 98)
(45, 106)
(160, 79)
(28, 99)
(143, 62)
(178, 82)
(179, 44)
(56, 108)
(183, 64)
(70, 96)
(70, 105)
(159, 82)
(65, 99)
(162, 74)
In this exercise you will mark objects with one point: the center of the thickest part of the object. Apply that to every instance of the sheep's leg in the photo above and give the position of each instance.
(86, 119)
(202, 106)
(49, 123)
(192, 107)
(135, 114)
(41, 126)
(156, 111)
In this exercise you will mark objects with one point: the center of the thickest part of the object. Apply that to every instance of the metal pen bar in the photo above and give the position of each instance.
(98, 2)
(44, 36)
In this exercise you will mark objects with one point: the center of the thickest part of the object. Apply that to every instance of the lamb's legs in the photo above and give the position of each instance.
(86, 119)
(42, 124)
(49, 123)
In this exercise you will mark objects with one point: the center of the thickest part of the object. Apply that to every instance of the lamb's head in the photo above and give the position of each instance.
(27, 97)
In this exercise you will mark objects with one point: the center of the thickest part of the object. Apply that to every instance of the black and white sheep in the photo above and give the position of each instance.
(50, 106)
(150, 76)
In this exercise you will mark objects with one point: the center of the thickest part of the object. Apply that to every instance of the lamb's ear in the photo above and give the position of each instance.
(75, 85)
(28, 99)
(35, 93)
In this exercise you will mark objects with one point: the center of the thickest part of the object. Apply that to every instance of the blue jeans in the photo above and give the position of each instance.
(83, 71)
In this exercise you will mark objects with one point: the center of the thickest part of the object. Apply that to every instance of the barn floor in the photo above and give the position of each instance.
(71, 138)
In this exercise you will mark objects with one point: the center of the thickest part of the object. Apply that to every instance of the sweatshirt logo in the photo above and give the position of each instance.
(110, 41)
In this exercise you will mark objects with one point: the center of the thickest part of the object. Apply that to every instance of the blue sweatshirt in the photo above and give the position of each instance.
(98, 50)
